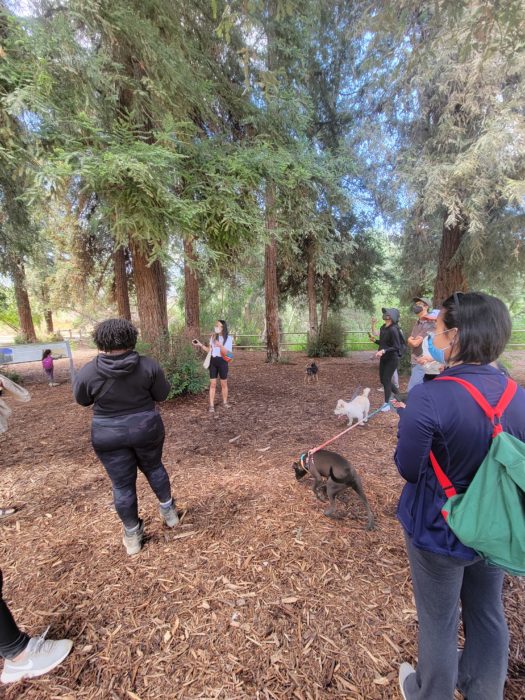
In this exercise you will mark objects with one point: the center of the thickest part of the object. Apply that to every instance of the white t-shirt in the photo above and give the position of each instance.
(216, 348)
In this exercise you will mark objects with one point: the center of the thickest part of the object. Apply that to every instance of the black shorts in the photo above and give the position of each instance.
(218, 367)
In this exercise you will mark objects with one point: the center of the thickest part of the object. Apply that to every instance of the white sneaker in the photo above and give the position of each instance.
(133, 540)
(40, 656)
(169, 515)
(405, 670)
(385, 407)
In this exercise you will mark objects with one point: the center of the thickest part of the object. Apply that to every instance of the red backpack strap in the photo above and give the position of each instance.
(493, 413)
(442, 478)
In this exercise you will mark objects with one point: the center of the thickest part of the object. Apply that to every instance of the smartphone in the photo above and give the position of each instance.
(195, 341)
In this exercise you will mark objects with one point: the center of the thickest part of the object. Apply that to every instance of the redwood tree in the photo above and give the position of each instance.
(121, 283)
(191, 289)
(150, 284)
(18, 276)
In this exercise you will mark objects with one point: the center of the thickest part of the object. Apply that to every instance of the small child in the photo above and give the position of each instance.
(47, 364)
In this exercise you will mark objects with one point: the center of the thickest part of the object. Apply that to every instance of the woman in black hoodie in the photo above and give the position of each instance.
(127, 431)
(391, 346)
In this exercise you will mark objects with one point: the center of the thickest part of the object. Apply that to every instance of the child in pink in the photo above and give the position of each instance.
(47, 364)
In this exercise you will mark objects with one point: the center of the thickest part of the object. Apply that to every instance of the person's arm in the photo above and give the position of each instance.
(414, 435)
(161, 387)
(373, 333)
(81, 391)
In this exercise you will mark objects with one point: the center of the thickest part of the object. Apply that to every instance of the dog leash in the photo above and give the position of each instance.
(311, 452)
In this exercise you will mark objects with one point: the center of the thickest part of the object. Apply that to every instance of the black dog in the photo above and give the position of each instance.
(339, 475)
(312, 372)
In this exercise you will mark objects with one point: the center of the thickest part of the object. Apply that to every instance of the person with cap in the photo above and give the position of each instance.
(424, 325)
(391, 347)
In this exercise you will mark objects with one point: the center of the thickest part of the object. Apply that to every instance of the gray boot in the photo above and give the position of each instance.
(133, 540)
(169, 515)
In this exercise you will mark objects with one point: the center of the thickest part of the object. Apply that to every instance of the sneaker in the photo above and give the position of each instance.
(40, 656)
(385, 407)
(211, 409)
(227, 405)
(133, 540)
(169, 515)
(6, 512)
(405, 670)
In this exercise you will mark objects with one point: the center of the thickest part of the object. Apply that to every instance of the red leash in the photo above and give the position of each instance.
(328, 442)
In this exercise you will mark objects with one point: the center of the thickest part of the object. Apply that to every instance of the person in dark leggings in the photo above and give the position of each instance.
(127, 431)
(390, 349)
(25, 656)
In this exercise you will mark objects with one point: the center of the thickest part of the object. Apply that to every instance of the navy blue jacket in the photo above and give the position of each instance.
(442, 416)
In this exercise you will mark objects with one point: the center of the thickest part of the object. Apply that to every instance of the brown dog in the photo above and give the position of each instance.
(339, 475)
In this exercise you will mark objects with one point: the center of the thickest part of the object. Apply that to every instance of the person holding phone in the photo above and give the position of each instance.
(220, 349)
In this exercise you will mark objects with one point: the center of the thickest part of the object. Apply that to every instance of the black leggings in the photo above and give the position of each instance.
(12, 640)
(387, 366)
(124, 443)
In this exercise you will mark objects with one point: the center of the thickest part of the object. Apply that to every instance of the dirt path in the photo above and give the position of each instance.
(257, 594)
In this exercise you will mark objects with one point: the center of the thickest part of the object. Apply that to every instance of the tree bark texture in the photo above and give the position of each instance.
(150, 286)
(450, 276)
(18, 275)
(325, 301)
(191, 290)
(313, 324)
(271, 290)
(48, 316)
(121, 284)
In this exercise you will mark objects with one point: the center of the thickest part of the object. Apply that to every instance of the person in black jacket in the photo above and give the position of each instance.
(127, 430)
(391, 347)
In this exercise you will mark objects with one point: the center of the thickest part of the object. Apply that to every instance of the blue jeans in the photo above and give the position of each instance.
(440, 584)
(416, 377)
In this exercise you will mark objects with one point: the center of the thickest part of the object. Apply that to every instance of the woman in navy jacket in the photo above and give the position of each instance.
(472, 330)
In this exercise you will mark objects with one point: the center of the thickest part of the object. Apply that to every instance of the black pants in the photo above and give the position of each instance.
(387, 366)
(124, 444)
(12, 640)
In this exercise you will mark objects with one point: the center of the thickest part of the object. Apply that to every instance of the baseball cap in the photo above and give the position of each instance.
(425, 301)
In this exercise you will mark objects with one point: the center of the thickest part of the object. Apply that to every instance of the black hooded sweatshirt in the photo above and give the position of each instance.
(139, 382)
(390, 338)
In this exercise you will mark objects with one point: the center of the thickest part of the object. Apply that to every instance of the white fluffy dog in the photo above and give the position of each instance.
(358, 408)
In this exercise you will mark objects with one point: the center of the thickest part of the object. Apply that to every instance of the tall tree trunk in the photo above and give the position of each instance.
(150, 285)
(48, 316)
(271, 290)
(121, 283)
(325, 301)
(313, 325)
(191, 289)
(18, 275)
(450, 276)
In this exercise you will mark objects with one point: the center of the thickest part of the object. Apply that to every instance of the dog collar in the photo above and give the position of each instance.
(302, 461)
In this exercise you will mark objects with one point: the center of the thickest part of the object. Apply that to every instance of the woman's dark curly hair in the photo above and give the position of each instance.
(115, 334)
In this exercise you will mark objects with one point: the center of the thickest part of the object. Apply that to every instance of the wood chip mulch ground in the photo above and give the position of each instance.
(256, 595)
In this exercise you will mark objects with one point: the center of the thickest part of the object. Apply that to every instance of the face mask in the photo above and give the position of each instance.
(438, 354)
(417, 309)
(217, 329)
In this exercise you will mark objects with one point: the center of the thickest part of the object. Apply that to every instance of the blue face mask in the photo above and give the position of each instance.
(437, 354)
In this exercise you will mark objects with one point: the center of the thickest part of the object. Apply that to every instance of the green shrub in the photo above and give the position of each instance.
(181, 362)
(330, 342)
(13, 376)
